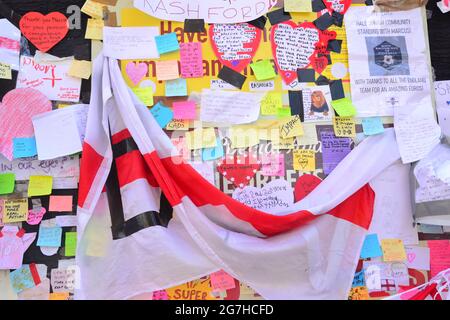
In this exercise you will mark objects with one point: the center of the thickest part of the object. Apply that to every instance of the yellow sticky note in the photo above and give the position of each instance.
(283, 112)
(80, 69)
(344, 126)
(358, 293)
(5, 71)
(94, 29)
(344, 107)
(271, 102)
(243, 136)
(201, 138)
(59, 296)
(282, 144)
(144, 94)
(40, 186)
(167, 70)
(15, 210)
(62, 106)
(304, 160)
(291, 127)
(393, 250)
(263, 70)
(298, 5)
(93, 9)
(178, 124)
(309, 136)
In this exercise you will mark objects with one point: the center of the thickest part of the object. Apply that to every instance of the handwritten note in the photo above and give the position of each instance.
(344, 107)
(130, 42)
(49, 236)
(371, 247)
(191, 60)
(167, 43)
(63, 280)
(263, 70)
(5, 71)
(145, 95)
(291, 127)
(344, 126)
(439, 255)
(372, 275)
(35, 215)
(273, 165)
(80, 69)
(61, 203)
(184, 110)
(221, 281)
(93, 9)
(304, 160)
(359, 293)
(271, 103)
(393, 250)
(358, 279)
(163, 115)
(40, 186)
(7, 183)
(167, 70)
(176, 88)
(24, 147)
(15, 210)
(70, 244)
(230, 107)
(372, 126)
(275, 197)
(94, 29)
(334, 150)
(178, 124)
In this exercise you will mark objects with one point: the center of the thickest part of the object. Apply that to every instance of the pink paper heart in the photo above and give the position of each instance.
(411, 256)
(35, 215)
(136, 72)
(16, 110)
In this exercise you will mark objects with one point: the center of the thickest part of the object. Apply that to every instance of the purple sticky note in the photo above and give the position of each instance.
(334, 150)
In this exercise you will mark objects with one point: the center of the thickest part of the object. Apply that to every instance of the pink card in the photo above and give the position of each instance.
(221, 281)
(160, 295)
(191, 60)
(439, 255)
(184, 110)
(60, 203)
(273, 165)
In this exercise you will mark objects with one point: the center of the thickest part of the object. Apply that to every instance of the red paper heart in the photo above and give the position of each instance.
(304, 185)
(292, 47)
(319, 63)
(44, 31)
(340, 6)
(239, 169)
(235, 45)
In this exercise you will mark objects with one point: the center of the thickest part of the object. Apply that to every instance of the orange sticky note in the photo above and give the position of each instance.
(60, 203)
(393, 250)
(167, 70)
(59, 296)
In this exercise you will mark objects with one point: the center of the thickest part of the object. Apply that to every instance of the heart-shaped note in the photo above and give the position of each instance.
(304, 185)
(235, 45)
(319, 63)
(239, 169)
(292, 47)
(44, 31)
(275, 197)
(136, 72)
(340, 6)
(35, 215)
(16, 110)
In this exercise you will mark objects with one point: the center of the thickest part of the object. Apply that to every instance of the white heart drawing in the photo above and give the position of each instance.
(276, 197)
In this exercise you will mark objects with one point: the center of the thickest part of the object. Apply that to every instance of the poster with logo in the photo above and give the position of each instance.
(387, 59)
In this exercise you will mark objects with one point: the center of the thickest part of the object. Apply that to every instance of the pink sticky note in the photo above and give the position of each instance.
(60, 203)
(273, 165)
(439, 255)
(184, 110)
(191, 60)
(35, 216)
(221, 281)
(160, 295)
(16, 110)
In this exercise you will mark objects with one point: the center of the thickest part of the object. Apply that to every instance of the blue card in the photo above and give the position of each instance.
(176, 88)
(371, 247)
(167, 43)
(49, 236)
(24, 147)
(163, 115)
(213, 153)
(22, 278)
(358, 280)
(372, 126)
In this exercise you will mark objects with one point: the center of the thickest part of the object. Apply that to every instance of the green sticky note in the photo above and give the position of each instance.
(40, 186)
(7, 182)
(70, 244)
(283, 112)
(263, 70)
(344, 107)
(145, 95)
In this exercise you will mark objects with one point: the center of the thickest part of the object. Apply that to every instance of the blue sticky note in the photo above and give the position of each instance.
(24, 147)
(213, 153)
(176, 88)
(49, 236)
(372, 126)
(163, 115)
(167, 43)
(22, 278)
(358, 280)
(371, 247)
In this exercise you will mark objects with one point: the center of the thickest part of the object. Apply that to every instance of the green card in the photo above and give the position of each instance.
(263, 70)
(344, 107)
(70, 244)
(7, 183)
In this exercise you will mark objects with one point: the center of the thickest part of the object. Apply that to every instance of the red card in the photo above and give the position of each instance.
(44, 31)
(304, 185)
(239, 169)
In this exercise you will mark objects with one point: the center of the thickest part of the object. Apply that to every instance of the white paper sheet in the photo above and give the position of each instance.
(387, 59)
(442, 94)
(230, 107)
(9, 44)
(56, 134)
(416, 130)
(418, 258)
(130, 42)
(49, 75)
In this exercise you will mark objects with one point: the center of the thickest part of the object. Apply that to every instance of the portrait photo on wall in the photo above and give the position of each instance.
(317, 103)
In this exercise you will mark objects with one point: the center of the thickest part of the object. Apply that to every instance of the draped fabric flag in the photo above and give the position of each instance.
(130, 243)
